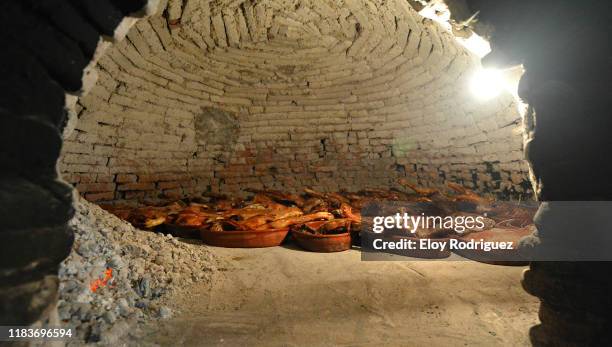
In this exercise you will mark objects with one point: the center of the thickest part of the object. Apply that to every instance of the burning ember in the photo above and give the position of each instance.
(99, 283)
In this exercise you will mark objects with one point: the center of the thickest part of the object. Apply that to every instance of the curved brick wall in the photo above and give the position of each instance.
(285, 94)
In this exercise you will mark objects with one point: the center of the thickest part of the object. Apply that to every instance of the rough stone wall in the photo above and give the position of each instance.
(286, 94)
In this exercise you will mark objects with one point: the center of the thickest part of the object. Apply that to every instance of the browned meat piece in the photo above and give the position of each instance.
(333, 199)
(288, 212)
(174, 207)
(325, 226)
(466, 195)
(353, 196)
(192, 210)
(296, 199)
(270, 216)
(279, 197)
(256, 221)
(121, 213)
(286, 222)
(244, 213)
(336, 225)
(362, 201)
(225, 225)
(312, 227)
(194, 216)
(201, 211)
(224, 205)
(153, 222)
(190, 220)
(147, 217)
(424, 192)
(203, 207)
(337, 198)
(314, 193)
(315, 205)
(347, 212)
(266, 201)
(422, 199)
(269, 209)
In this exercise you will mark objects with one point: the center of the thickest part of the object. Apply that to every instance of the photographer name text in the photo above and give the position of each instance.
(441, 245)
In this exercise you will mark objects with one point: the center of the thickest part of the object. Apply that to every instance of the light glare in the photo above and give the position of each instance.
(487, 83)
(476, 44)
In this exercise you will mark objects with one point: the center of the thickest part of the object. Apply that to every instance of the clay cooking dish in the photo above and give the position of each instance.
(244, 238)
(322, 243)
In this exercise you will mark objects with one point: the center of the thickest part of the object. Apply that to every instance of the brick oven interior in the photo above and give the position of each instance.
(288, 95)
(184, 100)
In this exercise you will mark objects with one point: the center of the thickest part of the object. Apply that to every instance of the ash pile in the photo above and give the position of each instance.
(117, 276)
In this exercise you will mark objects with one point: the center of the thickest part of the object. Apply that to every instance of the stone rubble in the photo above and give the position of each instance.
(145, 267)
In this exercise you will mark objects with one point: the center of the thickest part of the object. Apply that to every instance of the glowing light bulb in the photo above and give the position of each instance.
(488, 83)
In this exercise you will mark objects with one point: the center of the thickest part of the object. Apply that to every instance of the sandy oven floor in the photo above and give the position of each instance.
(286, 297)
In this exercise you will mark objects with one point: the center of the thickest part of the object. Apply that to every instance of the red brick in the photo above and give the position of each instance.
(125, 178)
(134, 195)
(168, 185)
(324, 168)
(174, 194)
(148, 178)
(84, 178)
(136, 186)
(104, 196)
(95, 187)
(103, 178)
(163, 177)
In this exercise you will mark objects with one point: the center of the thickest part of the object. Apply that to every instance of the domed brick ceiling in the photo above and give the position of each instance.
(225, 95)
